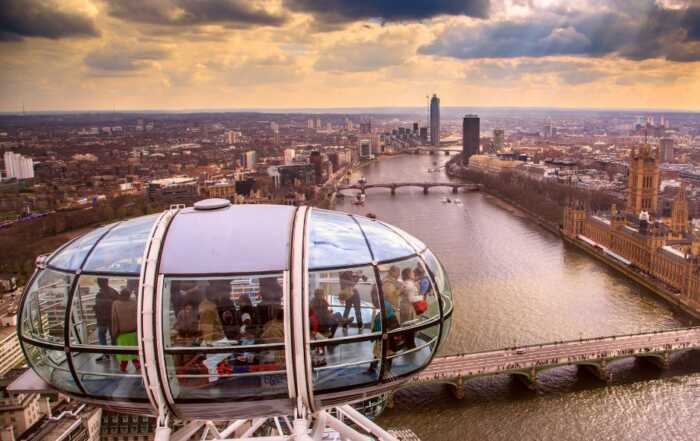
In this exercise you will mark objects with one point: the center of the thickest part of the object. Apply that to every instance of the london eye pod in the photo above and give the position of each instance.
(223, 311)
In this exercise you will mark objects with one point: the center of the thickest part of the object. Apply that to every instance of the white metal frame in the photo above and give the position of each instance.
(309, 422)
(299, 429)
(147, 333)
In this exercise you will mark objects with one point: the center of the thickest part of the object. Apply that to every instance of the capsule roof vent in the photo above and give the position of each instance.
(211, 204)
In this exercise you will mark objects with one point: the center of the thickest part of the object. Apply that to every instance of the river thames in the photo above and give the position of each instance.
(515, 283)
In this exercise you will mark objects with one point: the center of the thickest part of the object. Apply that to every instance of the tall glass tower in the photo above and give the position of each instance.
(435, 120)
(470, 136)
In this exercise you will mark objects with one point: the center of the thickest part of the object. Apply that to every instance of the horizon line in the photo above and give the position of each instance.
(328, 108)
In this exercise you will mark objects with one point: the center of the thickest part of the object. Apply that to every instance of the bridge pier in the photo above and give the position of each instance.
(455, 189)
(599, 371)
(457, 388)
(425, 189)
(390, 400)
(661, 361)
(529, 380)
(393, 190)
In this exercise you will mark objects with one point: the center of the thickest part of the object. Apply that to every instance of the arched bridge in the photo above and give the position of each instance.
(525, 362)
(433, 150)
(426, 186)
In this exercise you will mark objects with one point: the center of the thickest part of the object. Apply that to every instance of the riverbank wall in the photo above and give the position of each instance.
(637, 277)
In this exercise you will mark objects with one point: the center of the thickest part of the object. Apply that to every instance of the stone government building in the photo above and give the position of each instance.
(663, 248)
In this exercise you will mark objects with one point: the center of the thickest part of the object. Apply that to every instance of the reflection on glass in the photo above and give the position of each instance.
(344, 304)
(44, 312)
(345, 298)
(445, 331)
(404, 357)
(336, 240)
(106, 377)
(440, 279)
(103, 309)
(72, 256)
(385, 243)
(409, 291)
(121, 250)
(238, 316)
(240, 374)
(52, 367)
(415, 243)
(223, 312)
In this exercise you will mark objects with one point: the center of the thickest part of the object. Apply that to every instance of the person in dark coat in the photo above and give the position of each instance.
(270, 300)
(103, 313)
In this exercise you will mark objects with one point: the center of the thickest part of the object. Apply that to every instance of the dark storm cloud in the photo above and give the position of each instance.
(343, 11)
(638, 31)
(41, 18)
(122, 60)
(238, 13)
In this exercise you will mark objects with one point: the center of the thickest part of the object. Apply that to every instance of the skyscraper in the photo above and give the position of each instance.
(18, 166)
(666, 149)
(498, 139)
(435, 120)
(470, 136)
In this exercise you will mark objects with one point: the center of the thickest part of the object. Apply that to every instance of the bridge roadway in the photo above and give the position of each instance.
(525, 362)
(455, 186)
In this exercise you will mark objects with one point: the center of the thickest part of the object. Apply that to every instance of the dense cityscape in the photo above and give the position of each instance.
(65, 172)
(349, 220)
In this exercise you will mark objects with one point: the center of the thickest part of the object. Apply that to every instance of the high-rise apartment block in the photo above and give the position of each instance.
(249, 159)
(666, 149)
(470, 137)
(435, 120)
(18, 166)
(231, 137)
(424, 135)
(499, 139)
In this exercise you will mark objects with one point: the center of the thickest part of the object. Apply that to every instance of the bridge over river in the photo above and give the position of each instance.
(526, 362)
(426, 186)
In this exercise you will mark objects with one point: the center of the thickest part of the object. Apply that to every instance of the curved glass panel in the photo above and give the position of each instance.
(45, 307)
(409, 291)
(343, 312)
(121, 250)
(246, 373)
(446, 326)
(441, 280)
(110, 376)
(223, 312)
(336, 240)
(410, 351)
(415, 243)
(104, 311)
(52, 367)
(71, 257)
(385, 243)
(240, 320)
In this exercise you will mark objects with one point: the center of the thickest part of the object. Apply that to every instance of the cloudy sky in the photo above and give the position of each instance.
(193, 54)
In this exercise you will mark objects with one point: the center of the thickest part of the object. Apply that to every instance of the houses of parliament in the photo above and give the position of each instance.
(663, 249)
